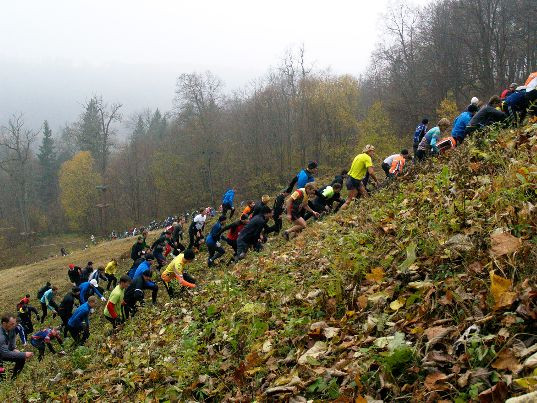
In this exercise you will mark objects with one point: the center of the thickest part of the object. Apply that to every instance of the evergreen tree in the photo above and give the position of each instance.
(48, 162)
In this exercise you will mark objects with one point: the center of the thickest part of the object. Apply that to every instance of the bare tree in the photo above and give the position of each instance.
(16, 142)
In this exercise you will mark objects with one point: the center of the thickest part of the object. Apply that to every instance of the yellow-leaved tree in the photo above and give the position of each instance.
(78, 193)
(448, 108)
(377, 129)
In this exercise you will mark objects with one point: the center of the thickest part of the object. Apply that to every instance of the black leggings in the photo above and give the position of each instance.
(40, 345)
(215, 251)
(112, 280)
(227, 207)
(19, 365)
(45, 309)
(75, 333)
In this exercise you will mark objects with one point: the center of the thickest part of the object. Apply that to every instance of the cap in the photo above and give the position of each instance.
(368, 148)
(71, 266)
(474, 101)
(94, 283)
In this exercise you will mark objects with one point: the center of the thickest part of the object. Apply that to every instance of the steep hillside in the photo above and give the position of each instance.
(425, 291)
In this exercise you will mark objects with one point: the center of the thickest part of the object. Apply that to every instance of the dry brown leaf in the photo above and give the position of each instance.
(476, 267)
(376, 275)
(497, 393)
(360, 399)
(506, 360)
(503, 243)
(362, 301)
(435, 381)
(437, 333)
(499, 287)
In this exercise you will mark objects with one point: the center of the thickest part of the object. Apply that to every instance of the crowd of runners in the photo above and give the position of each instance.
(166, 260)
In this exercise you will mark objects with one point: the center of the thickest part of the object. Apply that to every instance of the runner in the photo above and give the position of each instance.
(428, 143)
(86, 272)
(48, 303)
(420, 131)
(110, 272)
(213, 241)
(234, 230)
(89, 288)
(24, 313)
(361, 169)
(195, 230)
(326, 196)
(74, 274)
(44, 338)
(79, 322)
(296, 206)
(303, 177)
(113, 311)
(250, 235)
(250, 204)
(175, 271)
(65, 310)
(394, 164)
(227, 202)
(138, 248)
(135, 293)
(459, 124)
(8, 349)
(277, 211)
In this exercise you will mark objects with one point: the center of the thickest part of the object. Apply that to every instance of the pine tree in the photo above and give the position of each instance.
(48, 162)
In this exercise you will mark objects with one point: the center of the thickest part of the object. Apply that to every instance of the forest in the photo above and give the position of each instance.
(429, 62)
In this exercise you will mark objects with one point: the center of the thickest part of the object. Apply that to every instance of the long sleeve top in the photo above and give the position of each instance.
(80, 316)
(85, 291)
(7, 345)
(47, 298)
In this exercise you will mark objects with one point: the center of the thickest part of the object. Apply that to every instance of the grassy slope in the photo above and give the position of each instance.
(383, 276)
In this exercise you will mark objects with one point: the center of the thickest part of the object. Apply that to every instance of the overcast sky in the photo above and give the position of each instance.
(55, 54)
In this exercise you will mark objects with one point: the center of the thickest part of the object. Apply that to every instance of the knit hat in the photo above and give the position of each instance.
(368, 148)
(71, 266)
(93, 282)
(474, 101)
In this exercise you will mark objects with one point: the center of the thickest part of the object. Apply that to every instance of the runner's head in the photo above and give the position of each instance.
(404, 152)
(369, 149)
(90, 264)
(336, 187)
(244, 218)
(124, 281)
(443, 124)
(9, 321)
(189, 255)
(100, 268)
(71, 266)
(54, 288)
(495, 101)
(344, 173)
(92, 301)
(94, 283)
(265, 199)
(513, 86)
(140, 239)
(148, 256)
(312, 167)
(310, 188)
(75, 291)
(250, 203)
(472, 108)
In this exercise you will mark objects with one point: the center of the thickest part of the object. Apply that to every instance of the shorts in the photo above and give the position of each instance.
(354, 184)
(296, 214)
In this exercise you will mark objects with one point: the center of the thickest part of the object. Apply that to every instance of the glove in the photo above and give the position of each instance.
(103, 299)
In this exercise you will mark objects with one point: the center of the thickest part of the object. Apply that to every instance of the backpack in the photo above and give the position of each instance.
(42, 291)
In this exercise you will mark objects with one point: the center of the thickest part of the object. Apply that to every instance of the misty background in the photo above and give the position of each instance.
(55, 55)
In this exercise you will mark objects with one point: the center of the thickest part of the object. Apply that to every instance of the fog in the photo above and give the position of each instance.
(56, 54)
